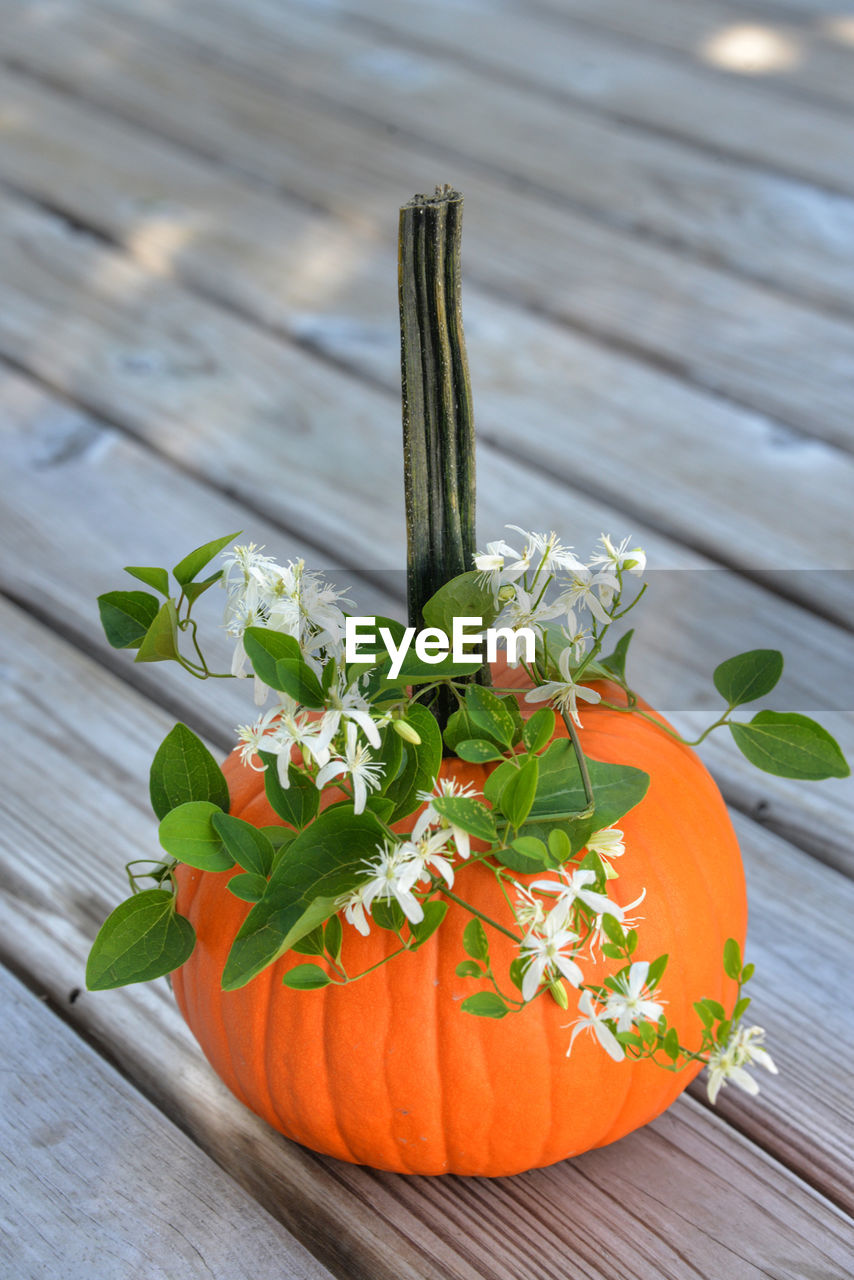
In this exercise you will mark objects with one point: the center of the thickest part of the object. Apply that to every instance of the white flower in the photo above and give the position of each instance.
(524, 610)
(564, 694)
(355, 911)
(597, 933)
(279, 731)
(530, 912)
(577, 635)
(257, 737)
(430, 818)
(393, 875)
(572, 888)
(430, 851)
(607, 843)
(587, 589)
(593, 1019)
(632, 1002)
(553, 555)
(621, 557)
(728, 1062)
(357, 762)
(347, 704)
(493, 568)
(548, 949)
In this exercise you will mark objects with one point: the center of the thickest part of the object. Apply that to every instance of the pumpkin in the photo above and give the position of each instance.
(389, 1072)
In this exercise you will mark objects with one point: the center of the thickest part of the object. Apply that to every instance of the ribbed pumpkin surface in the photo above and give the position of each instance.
(389, 1072)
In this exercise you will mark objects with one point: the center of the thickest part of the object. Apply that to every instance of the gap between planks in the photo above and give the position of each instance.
(685, 1175)
(225, 265)
(65, 465)
(742, 372)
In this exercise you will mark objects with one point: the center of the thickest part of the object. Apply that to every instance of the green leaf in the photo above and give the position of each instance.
(126, 617)
(732, 959)
(613, 930)
(486, 1004)
(533, 848)
(656, 969)
(493, 787)
(478, 751)
(748, 676)
(391, 753)
(615, 663)
(434, 914)
(247, 845)
(152, 577)
(466, 596)
(458, 729)
(560, 846)
(741, 1008)
(323, 863)
(183, 769)
(247, 887)
(518, 795)
(296, 804)
(160, 643)
(489, 714)
(475, 941)
(185, 570)
(560, 794)
(143, 938)
(387, 913)
(306, 977)
(747, 973)
(671, 1044)
(311, 944)
(188, 833)
(415, 671)
(193, 590)
(790, 746)
(468, 969)
(421, 763)
(333, 936)
(467, 813)
(277, 660)
(539, 729)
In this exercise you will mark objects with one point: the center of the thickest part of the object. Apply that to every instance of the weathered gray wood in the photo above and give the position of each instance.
(760, 45)
(62, 466)
(685, 1192)
(737, 338)
(561, 401)
(745, 117)
(97, 1182)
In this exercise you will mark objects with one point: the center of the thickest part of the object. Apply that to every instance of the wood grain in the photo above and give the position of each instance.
(808, 51)
(283, 107)
(542, 394)
(63, 465)
(98, 1182)
(682, 1178)
(742, 117)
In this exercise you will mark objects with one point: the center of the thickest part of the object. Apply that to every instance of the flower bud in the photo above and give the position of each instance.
(558, 992)
(506, 593)
(407, 732)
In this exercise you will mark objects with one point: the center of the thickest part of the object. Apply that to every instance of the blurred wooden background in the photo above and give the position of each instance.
(198, 333)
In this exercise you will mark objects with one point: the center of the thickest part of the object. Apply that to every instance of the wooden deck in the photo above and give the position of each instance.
(198, 333)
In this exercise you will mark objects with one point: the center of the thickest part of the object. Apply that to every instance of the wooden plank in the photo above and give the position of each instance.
(310, 135)
(98, 1182)
(687, 1191)
(760, 43)
(739, 116)
(64, 299)
(62, 466)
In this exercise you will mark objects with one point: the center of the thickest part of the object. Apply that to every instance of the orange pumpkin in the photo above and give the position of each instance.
(389, 1072)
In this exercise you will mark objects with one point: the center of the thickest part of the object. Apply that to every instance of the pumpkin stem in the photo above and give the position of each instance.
(438, 424)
